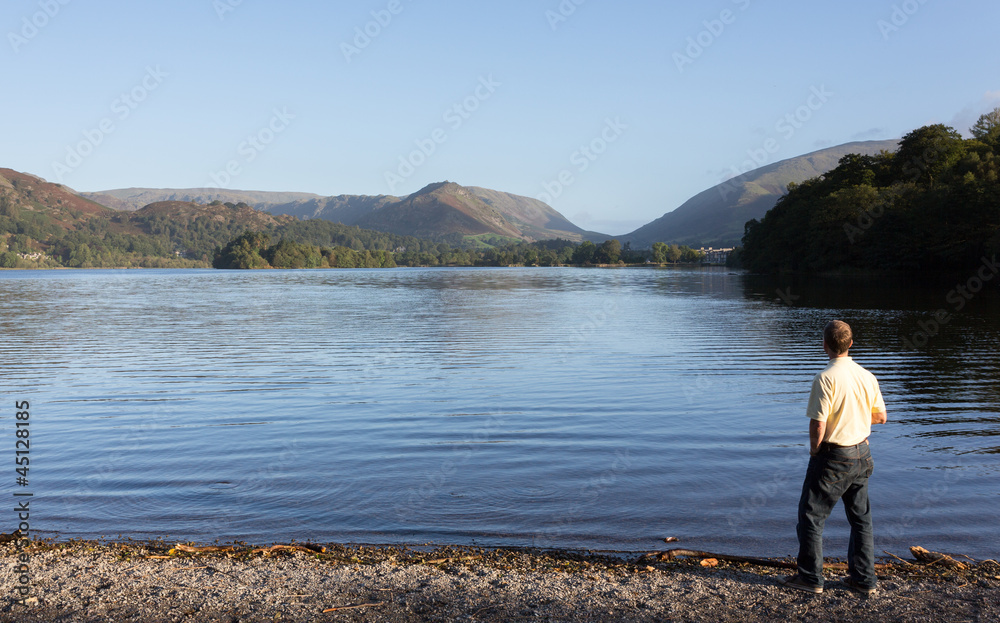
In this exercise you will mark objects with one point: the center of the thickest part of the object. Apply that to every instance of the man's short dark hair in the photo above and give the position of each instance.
(838, 336)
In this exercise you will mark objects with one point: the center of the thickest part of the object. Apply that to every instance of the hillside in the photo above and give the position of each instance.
(440, 209)
(437, 211)
(346, 209)
(933, 205)
(186, 213)
(131, 199)
(45, 225)
(50, 206)
(194, 231)
(536, 219)
(716, 217)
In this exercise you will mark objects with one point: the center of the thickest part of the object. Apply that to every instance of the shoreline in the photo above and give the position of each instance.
(157, 581)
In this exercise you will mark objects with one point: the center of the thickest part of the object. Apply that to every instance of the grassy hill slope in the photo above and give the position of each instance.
(437, 211)
(131, 199)
(716, 217)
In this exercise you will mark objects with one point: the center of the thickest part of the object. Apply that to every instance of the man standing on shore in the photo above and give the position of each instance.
(844, 403)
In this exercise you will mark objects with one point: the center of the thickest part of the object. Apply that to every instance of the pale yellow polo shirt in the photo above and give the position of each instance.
(845, 395)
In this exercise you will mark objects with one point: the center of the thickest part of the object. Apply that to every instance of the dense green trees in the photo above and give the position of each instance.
(288, 254)
(934, 204)
(663, 253)
(987, 128)
(253, 250)
(245, 251)
(659, 255)
(584, 254)
(927, 153)
(9, 209)
(608, 253)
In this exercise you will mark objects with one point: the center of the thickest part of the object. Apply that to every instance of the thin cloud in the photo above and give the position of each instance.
(868, 135)
(968, 116)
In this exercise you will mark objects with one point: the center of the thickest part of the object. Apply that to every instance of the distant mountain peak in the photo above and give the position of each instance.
(715, 217)
(445, 185)
(438, 209)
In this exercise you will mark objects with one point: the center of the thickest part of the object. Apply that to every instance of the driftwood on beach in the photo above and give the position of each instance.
(192, 549)
(934, 558)
(672, 554)
(923, 557)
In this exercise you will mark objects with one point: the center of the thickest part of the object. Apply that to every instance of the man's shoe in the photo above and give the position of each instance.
(796, 582)
(857, 588)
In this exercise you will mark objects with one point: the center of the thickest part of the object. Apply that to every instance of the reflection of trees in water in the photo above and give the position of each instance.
(791, 311)
(947, 373)
(925, 293)
(955, 382)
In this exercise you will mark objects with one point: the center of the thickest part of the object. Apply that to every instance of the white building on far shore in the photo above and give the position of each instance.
(715, 256)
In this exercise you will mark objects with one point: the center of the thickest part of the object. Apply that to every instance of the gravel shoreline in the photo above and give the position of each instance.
(90, 581)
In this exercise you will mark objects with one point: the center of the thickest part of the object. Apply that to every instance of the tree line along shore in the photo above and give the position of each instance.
(932, 205)
(252, 250)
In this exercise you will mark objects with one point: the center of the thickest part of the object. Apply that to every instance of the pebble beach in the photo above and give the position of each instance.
(157, 582)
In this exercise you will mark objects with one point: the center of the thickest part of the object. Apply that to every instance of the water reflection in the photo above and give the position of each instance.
(580, 408)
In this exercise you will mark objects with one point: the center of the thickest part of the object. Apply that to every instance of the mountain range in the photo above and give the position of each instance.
(446, 210)
(438, 210)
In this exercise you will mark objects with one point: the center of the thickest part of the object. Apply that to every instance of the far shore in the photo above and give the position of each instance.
(271, 268)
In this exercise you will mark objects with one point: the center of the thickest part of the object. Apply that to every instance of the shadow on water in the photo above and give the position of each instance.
(920, 293)
(935, 338)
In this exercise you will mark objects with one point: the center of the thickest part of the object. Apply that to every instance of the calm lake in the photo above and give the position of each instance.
(558, 407)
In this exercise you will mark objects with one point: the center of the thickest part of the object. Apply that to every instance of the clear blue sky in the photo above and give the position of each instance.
(534, 81)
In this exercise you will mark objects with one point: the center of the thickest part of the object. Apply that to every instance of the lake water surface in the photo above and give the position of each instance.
(550, 407)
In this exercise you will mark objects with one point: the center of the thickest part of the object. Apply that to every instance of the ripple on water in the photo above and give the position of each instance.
(583, 408)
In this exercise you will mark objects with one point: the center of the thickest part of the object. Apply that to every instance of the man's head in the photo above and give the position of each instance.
(838, 337)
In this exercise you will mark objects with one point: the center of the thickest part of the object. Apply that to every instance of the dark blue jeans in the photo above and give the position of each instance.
(837, 473)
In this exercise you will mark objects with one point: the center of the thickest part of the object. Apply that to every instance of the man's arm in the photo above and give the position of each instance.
(878, 417)
(817, 430)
